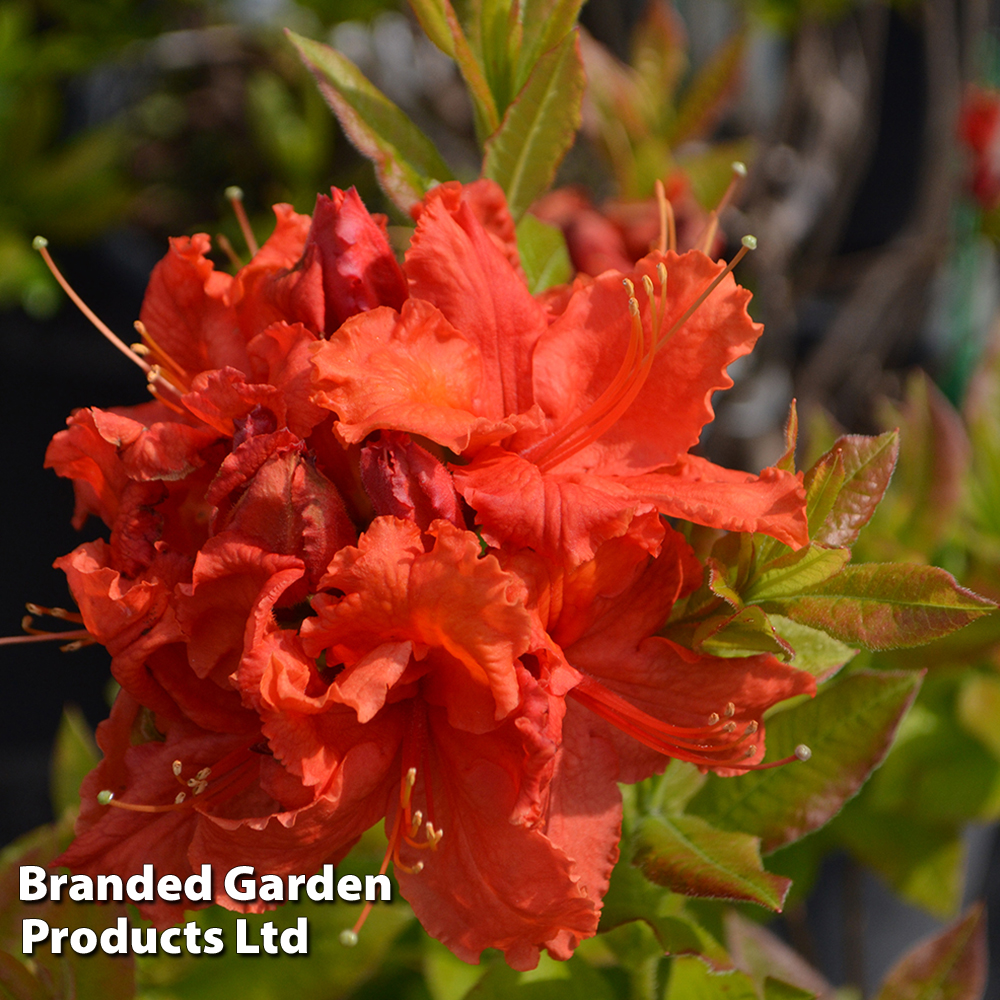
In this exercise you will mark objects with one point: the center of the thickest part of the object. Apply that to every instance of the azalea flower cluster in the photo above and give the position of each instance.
(392, 542)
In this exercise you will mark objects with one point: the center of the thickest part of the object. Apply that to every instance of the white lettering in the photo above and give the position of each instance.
(320, 887)
(114, 940)
(242, 948)
(295, 940)
(140, 887)
(169, 888)
(198, 888)
(349, 888)
(32, 886)
(248, 890)
(33, 930)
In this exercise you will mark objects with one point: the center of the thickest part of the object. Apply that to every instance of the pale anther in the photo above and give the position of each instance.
(234, 193)
(739, 168)
(39, 242)
(751, 728)
(105, 797)
(348, 938)
(176, 768)
(179, 798)
(713, 718)
(750, 242)
(203, 773)
(729, 727)
(803, 752)
(730, 710)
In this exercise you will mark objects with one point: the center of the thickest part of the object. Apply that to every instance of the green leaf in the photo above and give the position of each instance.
(74, 756)
(631, 896)
(849, 728)
(499, 40)
(815, 651)
(546, 24)
(787, 461)
(740, 633)
(845, 486)
(691, 979)
(439, 20)
(538, 127)
(795, 572)
(543, 252)
(406, 163)
(691, 857)
(883, 606)
(950, 966)
(434, 20)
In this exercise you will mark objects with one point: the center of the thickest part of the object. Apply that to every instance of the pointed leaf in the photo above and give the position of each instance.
(742, 633)
(633, 897)
(543, 253)
(483, 103)
(849, 728)
(845, 486)
(883, 606)
(950, 966)
(787, 460)
(691, 857)
(795, 572)
(546, 24)
(434, 20)
(815, 651)
(538, 127)
(406, 162)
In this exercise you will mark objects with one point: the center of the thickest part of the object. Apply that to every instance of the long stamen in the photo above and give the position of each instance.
(668, 224)
(622, 378)
(227, 248)
(235, 196)
(713, 745)
(708, 235)
(738, 175)
(77, 638)
(405, 827)
(235, 774)
(175, 372)
(158, 385)
(41, 244)
(749, 243)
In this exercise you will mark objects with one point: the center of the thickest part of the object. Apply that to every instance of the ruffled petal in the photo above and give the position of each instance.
(462, 613)
(455, 264)
(579, 356)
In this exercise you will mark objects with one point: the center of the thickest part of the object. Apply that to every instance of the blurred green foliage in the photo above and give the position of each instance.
(130, 113)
